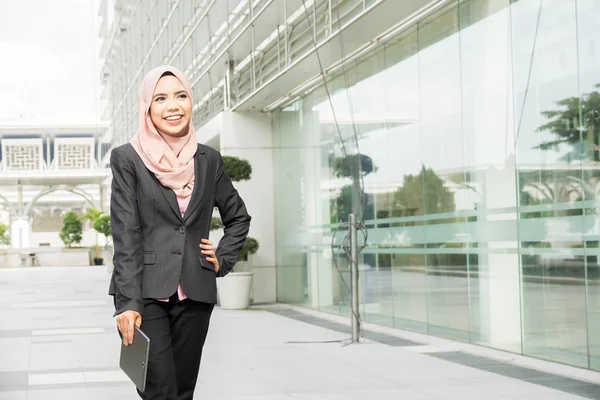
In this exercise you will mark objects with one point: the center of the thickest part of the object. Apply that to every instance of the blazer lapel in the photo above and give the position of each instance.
(199, 180)
(167, 192)
(171, 199)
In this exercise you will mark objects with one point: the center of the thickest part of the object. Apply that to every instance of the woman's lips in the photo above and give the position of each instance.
(174, 122)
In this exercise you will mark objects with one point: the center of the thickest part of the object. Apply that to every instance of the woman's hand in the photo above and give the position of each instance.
(207, 249)
(125, 322)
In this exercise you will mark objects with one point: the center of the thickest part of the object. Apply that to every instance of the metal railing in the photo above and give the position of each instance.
(289, 42)
(268, 56)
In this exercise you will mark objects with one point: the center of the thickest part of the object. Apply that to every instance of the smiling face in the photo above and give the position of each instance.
(171, 107)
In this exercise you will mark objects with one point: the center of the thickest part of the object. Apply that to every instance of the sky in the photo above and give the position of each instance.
(49, 62)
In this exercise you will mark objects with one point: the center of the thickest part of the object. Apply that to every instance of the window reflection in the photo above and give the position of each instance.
(478, 130)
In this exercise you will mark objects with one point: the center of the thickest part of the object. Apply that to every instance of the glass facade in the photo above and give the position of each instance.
(479, 132)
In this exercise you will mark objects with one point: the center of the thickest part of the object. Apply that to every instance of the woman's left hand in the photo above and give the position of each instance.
(207, 249)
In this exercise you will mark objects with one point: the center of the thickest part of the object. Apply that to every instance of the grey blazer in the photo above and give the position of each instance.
(154, 246)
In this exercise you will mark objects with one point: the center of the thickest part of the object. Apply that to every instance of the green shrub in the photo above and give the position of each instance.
(102, 226)
(250, 247)
(215, 223)
(72, 230)
(237, 169)
(4, 237)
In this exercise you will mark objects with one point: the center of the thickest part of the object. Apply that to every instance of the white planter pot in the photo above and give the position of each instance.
(107, 256)
(234, 290)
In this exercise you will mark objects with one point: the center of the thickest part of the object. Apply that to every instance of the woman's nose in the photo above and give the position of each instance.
(172, 106)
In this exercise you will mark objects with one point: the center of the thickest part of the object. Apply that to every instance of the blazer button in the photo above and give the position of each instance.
(182, 229)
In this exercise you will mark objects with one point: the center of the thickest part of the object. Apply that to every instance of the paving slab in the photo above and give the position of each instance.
(58, 340)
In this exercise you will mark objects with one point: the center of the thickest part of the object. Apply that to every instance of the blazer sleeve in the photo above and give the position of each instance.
(236, 220)
(127, 238)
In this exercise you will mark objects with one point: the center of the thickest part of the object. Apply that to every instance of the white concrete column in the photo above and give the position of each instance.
(293, 240)
(319, 264)
(248, 136)
(499, 280)
(20, 231)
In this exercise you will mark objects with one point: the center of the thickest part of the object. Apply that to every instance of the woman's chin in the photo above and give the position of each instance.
(174, 132)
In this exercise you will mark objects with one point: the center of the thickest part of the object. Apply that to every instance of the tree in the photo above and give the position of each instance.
(93, 215)
(348, 167)
(72, 229)
(237, 169)
(424, 193)
(102, 226)
(352, 198)
(575, 117)
(250, 247)
(4, 237)
(216, 223)
(343, 205)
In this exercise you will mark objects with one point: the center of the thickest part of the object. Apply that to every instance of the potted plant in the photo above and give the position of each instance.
(102, 226)
(250, 247)
(4, 237)
(4, 242)
(235, 289)
(72, 230)
(94, 216)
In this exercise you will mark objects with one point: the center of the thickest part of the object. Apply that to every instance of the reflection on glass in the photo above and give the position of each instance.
(470, 146)
(553, 308)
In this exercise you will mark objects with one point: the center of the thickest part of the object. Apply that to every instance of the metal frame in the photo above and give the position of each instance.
(227, 60)
(268, 55)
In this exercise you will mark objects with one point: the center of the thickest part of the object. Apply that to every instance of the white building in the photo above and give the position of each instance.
(475, 185)
(45, 171)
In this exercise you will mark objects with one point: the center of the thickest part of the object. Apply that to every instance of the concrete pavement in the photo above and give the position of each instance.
(58, 340)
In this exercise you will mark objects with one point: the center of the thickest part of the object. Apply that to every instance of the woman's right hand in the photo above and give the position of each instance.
(125, 322)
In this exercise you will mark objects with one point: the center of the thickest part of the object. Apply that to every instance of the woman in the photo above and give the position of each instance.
(165, 186)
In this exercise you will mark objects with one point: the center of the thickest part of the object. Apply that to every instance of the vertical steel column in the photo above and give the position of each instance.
(354, 279)
(314, 20)
(48, 159)
(98, 143)
(227, 86)
(285, 38)
(101, 196)
(253, 59)
(228, 25)
(20, 207)
(279, 48)
(330, 11)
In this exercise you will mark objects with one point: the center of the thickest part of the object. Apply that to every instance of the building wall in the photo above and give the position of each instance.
(49, 168)
(248, 136)
(481, 131)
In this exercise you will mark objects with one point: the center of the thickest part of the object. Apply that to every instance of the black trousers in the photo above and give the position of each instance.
(177, 331)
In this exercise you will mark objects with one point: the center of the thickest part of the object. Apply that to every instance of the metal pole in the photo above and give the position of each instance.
(285, 42)
(354, 279)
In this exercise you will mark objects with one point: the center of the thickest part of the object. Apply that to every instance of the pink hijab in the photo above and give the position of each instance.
(171, 159)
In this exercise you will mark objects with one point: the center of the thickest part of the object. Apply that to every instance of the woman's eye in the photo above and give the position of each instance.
(183, 96)
(160, 98)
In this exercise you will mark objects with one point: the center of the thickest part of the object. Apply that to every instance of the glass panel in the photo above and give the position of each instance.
(442, 162)
(397, 235)
(548, 162)
(489, 183)
(360, 112)
(292, 285)
(478, 130)
(588, 37)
